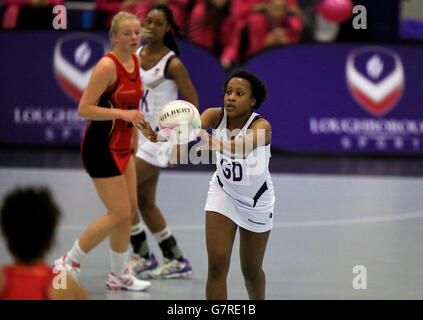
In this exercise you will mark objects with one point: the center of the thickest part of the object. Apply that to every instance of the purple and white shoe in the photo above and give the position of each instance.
(138, 265)
(170, 270)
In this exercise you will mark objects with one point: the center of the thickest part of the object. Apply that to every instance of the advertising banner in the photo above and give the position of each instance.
(344, 98)
(334, 98)
(44, 74)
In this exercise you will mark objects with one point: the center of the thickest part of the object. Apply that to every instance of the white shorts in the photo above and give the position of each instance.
(255, 219)
(157, 154)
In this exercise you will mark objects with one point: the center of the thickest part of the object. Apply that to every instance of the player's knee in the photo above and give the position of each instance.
(251, 272)
(147, 206)
(218, 266)
(121, 216)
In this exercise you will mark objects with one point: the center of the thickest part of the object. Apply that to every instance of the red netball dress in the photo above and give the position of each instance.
(27, 282)
(106, 146)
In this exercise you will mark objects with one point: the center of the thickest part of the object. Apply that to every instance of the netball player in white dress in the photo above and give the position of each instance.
(241, 192)
(163, 75)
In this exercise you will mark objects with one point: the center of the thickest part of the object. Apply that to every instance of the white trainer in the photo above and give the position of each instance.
(126, 282)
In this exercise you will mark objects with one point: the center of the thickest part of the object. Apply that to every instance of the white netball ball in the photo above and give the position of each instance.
(179, 121)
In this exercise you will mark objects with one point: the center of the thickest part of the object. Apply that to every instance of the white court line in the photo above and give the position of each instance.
(337, 222)
(299, 224)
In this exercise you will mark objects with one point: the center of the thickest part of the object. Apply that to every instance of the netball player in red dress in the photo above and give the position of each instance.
(110, 102)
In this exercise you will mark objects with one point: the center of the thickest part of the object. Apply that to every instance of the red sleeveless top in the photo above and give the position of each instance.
(125, 94)
(106, 146)
(26, 282)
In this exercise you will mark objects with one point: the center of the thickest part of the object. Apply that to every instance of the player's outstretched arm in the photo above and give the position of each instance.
(210, 118)
(260, 133)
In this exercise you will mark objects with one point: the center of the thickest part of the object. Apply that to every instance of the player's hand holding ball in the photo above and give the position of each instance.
(179, 122)
(149, 133)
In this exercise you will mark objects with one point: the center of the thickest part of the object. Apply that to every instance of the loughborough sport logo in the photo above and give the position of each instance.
(375, 77)
(74, 59)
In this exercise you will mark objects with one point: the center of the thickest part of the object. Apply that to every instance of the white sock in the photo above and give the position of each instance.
(137, 229)
(119, 262)
(76, 254)
(162, 235)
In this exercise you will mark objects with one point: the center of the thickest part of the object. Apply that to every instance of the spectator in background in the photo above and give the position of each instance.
(180, 9)
(211, 24)
(107, 9)
(243, 8)
(28, 220)
(29, 14)
(281, 23)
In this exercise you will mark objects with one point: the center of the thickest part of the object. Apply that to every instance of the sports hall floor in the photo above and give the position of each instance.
(331, 214)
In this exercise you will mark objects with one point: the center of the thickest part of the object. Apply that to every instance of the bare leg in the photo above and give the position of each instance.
(220, 234)
(148, 176)
(252, 249)
(113, 192)
(119, 238)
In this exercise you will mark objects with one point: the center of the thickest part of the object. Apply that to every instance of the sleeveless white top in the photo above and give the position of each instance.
(158, 90)
(246, 180)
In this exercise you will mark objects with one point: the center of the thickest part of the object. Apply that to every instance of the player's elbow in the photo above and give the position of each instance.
(82, 111)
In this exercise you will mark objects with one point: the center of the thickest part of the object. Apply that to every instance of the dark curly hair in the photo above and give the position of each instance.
(258, 88)
(28, 220)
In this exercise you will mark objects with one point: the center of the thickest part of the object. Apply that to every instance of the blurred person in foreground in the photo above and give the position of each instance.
(28, 220)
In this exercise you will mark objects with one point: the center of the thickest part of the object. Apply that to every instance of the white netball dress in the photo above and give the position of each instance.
(158, 91)
(241, 188)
